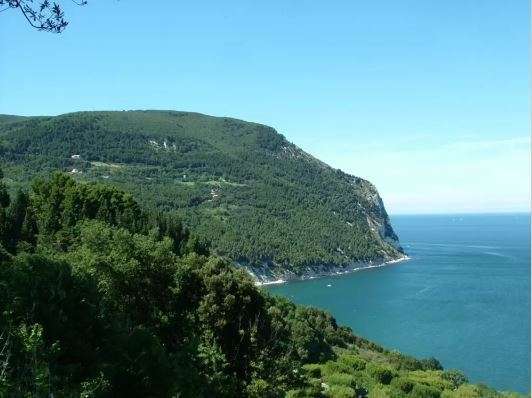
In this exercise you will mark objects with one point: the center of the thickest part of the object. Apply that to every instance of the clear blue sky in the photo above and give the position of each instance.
(429, 100)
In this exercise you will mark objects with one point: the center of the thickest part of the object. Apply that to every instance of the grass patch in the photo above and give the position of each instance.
(108, 165)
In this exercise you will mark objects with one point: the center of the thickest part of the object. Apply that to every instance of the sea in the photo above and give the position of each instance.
(463, 297)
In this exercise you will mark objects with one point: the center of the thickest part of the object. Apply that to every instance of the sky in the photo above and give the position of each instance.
(429, 100)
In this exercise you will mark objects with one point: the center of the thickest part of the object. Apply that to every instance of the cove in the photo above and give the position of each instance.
(464, 297)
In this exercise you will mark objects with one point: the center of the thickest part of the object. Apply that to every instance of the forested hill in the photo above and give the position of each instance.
(100, 297)
(255, 196)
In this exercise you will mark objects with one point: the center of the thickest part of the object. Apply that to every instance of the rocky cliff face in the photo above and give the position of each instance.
(378, 224)
(377, 217)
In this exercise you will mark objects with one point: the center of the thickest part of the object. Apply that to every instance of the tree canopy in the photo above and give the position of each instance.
(101, 297)
(256, 197)
(43, 15)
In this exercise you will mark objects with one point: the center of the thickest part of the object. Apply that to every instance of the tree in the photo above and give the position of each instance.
(40, 15)
(4, 203)
(129, 308)
(16, 216)
(4, 195)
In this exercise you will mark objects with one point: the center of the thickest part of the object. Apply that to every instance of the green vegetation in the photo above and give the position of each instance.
(256, 197)
(100, 297)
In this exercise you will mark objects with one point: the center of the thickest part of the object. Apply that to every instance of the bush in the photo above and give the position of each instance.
(404, 362)
(309, 392)
(353, 361)
(431, 364)
(313, 370)
(403, 384)
(341, 392)
(380, 391)
(455, 376)
(341, 379)
(380, 373)
(422, 391)
(467, 391)
(260, 388)
(431, 378)
(332, 367)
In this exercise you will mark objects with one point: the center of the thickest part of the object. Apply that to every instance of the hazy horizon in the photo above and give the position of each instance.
(495, 213)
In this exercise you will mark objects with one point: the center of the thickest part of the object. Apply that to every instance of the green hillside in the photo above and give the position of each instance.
(100, 297)
(257, 198)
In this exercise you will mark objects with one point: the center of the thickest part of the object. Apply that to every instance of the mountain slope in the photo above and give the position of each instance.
(160, 318)
(258, 198)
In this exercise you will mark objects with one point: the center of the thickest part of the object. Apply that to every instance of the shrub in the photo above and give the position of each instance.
(309, 392)
(341, 379)
(332, 367)
(431, 364)
(403, 384)
(313, 370)
(454, 376)
(260, 388)
(467, 391)
(353, 361)
(422, 391)
(340, 392)
(404, 362)
(380, 391)
(431, 378)
(380, 373)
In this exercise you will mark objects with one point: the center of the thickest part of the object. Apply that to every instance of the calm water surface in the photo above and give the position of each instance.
(464, 297)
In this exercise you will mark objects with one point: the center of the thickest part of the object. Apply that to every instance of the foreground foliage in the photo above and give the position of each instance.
(101, 298)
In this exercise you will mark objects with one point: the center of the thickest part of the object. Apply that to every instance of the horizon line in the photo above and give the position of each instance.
(464, 213)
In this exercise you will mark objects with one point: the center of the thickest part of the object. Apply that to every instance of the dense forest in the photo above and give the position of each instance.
(255, 196)
(103, 297)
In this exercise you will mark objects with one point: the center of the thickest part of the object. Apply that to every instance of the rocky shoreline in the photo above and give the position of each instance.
(266, 275)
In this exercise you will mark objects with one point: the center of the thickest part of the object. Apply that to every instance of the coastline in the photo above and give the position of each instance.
(262, 280)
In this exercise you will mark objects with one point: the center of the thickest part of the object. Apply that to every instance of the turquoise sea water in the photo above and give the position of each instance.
(464, 297)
